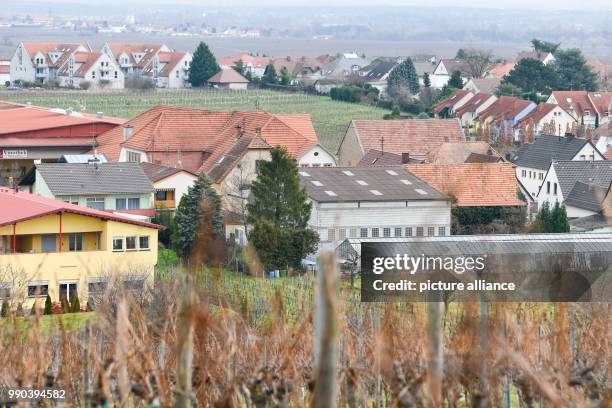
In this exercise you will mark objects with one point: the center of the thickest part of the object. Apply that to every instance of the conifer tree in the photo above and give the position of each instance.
(279, 212)
(203, 66)
(455, 80)
(48, 305)
(269, 76)
(404, 75)
(75, 305)
(201, 205)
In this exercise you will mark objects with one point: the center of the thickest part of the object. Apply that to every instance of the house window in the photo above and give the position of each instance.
(374, 232)
(342, 233)
(97, 203)
(130, 243)
(353, 233)
(363, 232)
(386, 232)
(118, 244)
(548, 187)
(398, 232)
(587, 112)
(93, 74)
(524, 173)
(5, 291)
(555, 189)
(75, 242)
(177, 74)
(419, 231)
(331, 234)
(431, 231)
(408, 231)
(97, 286)
(441, 231)
(48, 243)
(134, 283)
(134, 203)
(72, 200)
(116, 74)
(38, 289)
(121, 204)
(161, 195)
(144, 243)
(541, 176)
(133, 157)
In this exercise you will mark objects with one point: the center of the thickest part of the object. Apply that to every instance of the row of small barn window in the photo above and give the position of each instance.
(386, 232)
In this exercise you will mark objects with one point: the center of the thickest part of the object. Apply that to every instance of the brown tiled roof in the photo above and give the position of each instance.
(259, 62)
(602, 102)
(501, 69)
(474, 103)
(375, 157)
(482, 158)
(199, 138)
(472, 184)
(88, 60)
(451, 100)
(227, 76)
(532, 55)
(603, 130)
(149, 50)
(171, 60)
(453, 65)
(578, 101)
(504, 108)
(66, 50)
(456, 153)
(414, 136)
(537, 114)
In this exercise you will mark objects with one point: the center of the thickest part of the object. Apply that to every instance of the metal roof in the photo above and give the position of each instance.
(338, 184)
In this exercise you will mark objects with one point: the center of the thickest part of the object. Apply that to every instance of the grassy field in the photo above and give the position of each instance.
(330, 118)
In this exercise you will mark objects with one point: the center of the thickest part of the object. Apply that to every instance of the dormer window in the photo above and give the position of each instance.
(587, 112)
(607, 113)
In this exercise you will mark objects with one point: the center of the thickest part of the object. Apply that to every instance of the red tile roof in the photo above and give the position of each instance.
(602, 102)
(199, 137)
(66, 50)
(17, 118)
(86, 59)
(20, 206)
(472, 184)
(474, 103)
(577, 101)
(414, 136)
(228, 76)
(456, 153)
(259, 62)
(506, 107)
(149, 51)
(501, 69)
(537, 114)
(451, 100)
(171, 60)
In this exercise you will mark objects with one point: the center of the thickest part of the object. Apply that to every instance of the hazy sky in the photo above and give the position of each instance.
(532, 4)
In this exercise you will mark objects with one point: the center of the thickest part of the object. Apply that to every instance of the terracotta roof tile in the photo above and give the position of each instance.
(500, 70)
(228, 76)
(472, 184)
(414, 136)
(537, 114)
(506, 107)
(451, 100)
(456, 153)
(474, 103)
(577, 101)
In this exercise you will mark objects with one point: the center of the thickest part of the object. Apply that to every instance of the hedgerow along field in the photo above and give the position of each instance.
(330, 118)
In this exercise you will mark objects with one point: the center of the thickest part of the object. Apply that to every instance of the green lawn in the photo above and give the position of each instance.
(330, 118)
(48, 323)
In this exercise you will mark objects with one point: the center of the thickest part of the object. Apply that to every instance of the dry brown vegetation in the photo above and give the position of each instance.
(196, 340)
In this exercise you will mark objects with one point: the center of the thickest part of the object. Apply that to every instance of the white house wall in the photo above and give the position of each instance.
(180, 182)
(318, 157)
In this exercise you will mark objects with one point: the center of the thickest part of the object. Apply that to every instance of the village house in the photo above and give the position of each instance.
(63, 250)
(120, 188)
(582, 186)
(545, 58)
(445, 69)
(473, 107)
(228, 79)
(408, 138)
(590, 109)
(546, 118)
(476, 185)
(254, 65)
(448, 107)
(5, 73)
(170, 184)
(373, 203)
(533, 160)
(425, 67)
(40, 62)
(482, 85)
(303, 70)
(377, 72)
(31, 134)
(165, 67)
(344, 65)
(90, 70)
(502, 116)
(500, 70)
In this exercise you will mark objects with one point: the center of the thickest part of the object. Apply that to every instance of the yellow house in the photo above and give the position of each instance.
(61, 249)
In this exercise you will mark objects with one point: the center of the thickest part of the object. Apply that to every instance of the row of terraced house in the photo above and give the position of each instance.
(79, 65)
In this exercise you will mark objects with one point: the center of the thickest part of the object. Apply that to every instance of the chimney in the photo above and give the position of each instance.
(127, 132)
(405, 158)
